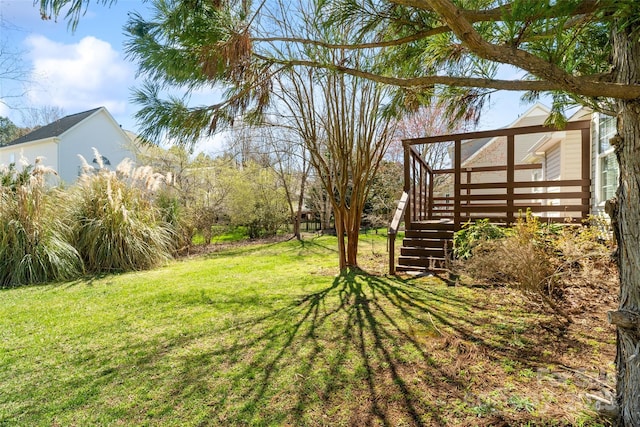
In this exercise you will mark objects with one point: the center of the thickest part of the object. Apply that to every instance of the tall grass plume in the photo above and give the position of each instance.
(116, 226)
(33, 246)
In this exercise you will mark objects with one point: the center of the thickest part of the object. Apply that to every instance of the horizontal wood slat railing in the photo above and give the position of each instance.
(458, 193)
(522, 196)
(527, 184)
(491, 168)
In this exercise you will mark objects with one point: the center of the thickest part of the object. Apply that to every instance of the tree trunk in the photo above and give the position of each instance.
(625, 214)
(353, 234)
(297, 223)
(339, 217)
(298, 220)
(326, 221)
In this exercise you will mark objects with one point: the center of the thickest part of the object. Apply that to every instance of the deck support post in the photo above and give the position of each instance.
(457, 173)
(430, 201)
(511, 153)
(407, 184)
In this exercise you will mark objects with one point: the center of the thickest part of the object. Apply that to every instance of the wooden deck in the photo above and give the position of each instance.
(499, 192)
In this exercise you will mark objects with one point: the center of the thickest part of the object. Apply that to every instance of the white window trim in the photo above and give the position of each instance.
(599, 160)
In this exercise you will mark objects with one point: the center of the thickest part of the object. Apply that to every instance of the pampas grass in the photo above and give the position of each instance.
(33, 246)
(115, 225)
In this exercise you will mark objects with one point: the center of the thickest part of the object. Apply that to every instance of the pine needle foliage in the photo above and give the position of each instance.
(33, 246)
(116, 226)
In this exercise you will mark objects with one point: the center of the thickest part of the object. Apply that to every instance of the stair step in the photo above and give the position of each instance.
(423, 246)
(418, 260)
(431, 225)
(422, 252)
(414, 242)
(429, 263)
(410, 269)
(429, 234)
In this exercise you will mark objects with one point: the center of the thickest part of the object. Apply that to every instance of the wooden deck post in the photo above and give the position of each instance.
(585, 152)
(511, 163)
(407, 184)
(457, 178)
(430, 201)
(421, 192)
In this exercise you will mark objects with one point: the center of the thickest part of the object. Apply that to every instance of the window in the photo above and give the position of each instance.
(608, 176)
(607, 129)
(105, 161)
(608, 163)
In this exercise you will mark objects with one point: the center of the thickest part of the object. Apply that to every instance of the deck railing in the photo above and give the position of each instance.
(393, 230)
(498, 192)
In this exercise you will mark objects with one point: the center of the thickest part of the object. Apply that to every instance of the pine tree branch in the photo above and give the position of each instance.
(473, 16)
(550, 72)
(587, 86)
(498, 13)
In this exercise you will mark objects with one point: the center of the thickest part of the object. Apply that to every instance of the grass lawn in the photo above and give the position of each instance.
(269, 335)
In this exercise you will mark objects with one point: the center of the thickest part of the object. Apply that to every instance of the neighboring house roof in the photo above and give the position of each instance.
(582, 113)
(524, 120)
(54, 129)
(470, 146)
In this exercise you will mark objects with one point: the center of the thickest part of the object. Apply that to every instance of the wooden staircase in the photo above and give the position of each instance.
(426, 246)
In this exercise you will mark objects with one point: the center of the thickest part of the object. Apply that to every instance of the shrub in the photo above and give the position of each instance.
(116, 226)
(258, 201)
(33, 248)
(173, 213)
(472, 234)
(540, 259)
(516, 259)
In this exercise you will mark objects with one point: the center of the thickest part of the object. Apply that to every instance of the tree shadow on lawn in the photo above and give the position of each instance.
(364, 351)
(303, 247)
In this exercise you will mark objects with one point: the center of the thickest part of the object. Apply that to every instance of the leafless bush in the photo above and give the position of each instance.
(543, 260)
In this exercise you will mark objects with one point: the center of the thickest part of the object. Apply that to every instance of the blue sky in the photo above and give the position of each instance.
(74, 71)
(87, 69)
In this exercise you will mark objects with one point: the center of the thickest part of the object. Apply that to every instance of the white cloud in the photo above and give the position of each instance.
(78, 76)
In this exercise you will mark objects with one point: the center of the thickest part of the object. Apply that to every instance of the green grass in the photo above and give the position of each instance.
(267, 335)
(224, 234)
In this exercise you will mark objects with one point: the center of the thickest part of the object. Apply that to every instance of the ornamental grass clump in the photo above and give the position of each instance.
(116, 226)
(33, 245)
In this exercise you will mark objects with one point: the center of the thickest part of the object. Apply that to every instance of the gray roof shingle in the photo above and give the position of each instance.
(54, 129)
(471, 146)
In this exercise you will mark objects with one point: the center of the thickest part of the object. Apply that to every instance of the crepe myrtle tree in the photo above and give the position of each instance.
(584, 52)
(342, 120)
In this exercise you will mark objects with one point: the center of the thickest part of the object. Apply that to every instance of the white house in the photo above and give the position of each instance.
(559, 153)
(493, 151)
(60, 143)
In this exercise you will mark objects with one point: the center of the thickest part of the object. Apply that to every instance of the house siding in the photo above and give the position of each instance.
(571, 151)
(47, 150)
(98, 131)
(553, 160)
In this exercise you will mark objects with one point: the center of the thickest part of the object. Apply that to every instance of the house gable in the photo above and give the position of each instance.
(54, 129)
(99, 131)
(62, 141)
(536, 115)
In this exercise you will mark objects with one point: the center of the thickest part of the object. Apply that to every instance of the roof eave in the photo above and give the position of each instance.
(54, 139)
